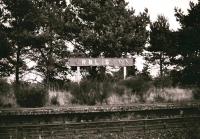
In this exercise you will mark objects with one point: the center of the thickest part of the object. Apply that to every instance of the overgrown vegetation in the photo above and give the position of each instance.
(31, 96)
(54, 101)
(4, 87)
(93, 92)
(126, 92)
(5, 94)
(90, 92)
(137, 85)
(196, 92)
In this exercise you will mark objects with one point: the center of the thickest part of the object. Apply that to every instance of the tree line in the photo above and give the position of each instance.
(43, 30)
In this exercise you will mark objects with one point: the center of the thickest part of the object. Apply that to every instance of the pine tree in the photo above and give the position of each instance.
(20, 17)
(109, 29)
(160, 44)
(188, 44)
(5, 49)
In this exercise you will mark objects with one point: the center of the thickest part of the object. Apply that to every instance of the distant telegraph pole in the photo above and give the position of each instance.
(84, 62)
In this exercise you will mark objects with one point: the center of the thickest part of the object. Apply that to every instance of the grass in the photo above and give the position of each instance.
(122, 92)
(134, 90)
(168, 95)
(59, 97)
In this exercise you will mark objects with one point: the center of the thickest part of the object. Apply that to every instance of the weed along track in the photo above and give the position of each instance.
(122, 121)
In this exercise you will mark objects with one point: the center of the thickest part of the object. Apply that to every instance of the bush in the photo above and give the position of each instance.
(31, 96)
(120, 89)
(137, 85)
(196, 93)
(163, 82)
(4, 87)
(54, 100)
(58, 84)
(6, 96)
(95, 92)
(90, 92)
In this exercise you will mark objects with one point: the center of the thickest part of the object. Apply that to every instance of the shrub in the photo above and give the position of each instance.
(120, 89)
(137, 85)
(96, 92)
(90, 92)
(4, 87)
(196, 93)
(59, 84)
(59, 97)
(54, 100)
(163, 82)
(31, 96)
(6, 95)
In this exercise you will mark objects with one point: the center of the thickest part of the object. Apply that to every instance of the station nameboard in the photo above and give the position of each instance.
(121, 62)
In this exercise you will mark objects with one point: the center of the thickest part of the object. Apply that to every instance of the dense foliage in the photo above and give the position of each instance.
(109, 29)
(188, 45)
(160, 44)
(39, 31)
(91, 92)
(31, 96)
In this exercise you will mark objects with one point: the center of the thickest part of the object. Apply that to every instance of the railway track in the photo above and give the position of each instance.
(140, 127)
(96, 123)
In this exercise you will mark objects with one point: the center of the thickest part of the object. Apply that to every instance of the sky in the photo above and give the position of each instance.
(163, 7)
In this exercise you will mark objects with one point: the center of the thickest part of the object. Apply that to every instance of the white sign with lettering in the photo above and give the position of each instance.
(121, 62)
(81, 62)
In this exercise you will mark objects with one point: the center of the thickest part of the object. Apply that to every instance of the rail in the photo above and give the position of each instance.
(141, 127)
(119, 121)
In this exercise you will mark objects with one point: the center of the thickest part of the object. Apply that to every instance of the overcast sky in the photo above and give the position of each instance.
(164, 7)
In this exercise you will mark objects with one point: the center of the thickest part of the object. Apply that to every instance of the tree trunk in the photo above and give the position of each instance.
(17, 66)
(161, 69)
(161, 66)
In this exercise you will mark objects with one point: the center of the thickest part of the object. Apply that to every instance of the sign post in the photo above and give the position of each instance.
(125, 73)
(83, 62)
(78, 75)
